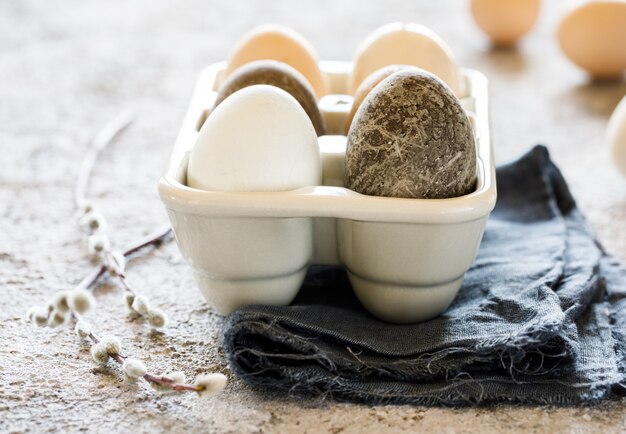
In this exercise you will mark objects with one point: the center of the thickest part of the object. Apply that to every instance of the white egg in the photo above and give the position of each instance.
(616, 136)
(257, 139)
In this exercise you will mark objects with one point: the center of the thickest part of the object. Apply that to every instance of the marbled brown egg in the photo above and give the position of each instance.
(411, 138)
(368, 84)
(276, 74)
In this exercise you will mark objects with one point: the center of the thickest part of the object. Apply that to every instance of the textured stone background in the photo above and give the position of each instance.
(66, 67)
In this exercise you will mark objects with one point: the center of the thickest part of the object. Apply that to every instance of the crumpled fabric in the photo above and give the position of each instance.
(540, 318)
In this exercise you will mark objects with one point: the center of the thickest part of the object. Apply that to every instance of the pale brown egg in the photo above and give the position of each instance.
(505, 21)
(593, 36)
(273, 42)
(366, 87)
(275, 74)
(407, 44)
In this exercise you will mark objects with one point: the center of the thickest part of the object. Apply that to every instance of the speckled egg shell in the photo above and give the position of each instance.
(407, 44)
(411, 138)
(593, 36)
(368, 85)
(275, 74)
(273, 42)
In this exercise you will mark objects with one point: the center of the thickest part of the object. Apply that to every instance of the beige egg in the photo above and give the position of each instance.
(407, 44)
(275, 74)
(505, 21)
(367, 86)
(273, 42)
(593, 36)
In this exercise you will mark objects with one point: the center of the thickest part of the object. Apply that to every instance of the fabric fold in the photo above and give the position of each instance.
(539, 318)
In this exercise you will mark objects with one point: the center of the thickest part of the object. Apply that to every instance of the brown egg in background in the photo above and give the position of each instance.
(411, 138)
(505, 21)
(277, 74)
(274, 42)
(368, 85)
(593, 36)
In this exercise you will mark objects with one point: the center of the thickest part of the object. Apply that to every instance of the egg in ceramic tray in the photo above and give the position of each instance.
(411, 138)
(256, 195)
(407, 44)
(277, 74)
(258, 139)
(280, 43)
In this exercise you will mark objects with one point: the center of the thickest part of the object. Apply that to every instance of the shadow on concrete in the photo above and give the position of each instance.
(505, 60)
(596, 97)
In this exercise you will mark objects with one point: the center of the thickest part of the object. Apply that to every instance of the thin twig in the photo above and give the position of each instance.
(100, 141)
(112, 263)
(170, 384)
(152, 238)
(92, 278)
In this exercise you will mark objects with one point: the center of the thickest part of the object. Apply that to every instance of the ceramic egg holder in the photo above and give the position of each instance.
(406, 258)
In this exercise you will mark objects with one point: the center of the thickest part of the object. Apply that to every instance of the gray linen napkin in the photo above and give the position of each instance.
(540, 318)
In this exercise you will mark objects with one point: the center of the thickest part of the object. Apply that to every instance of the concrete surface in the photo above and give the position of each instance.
(66, 67)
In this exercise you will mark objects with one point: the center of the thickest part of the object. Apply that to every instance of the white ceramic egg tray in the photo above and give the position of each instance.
(406, 258)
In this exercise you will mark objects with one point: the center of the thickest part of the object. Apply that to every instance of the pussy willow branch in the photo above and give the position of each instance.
(150, 378)
(98, 144)
(62, 303)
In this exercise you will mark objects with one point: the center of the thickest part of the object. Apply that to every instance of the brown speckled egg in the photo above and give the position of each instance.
(276, 74)
(368, 84)
(411, 138)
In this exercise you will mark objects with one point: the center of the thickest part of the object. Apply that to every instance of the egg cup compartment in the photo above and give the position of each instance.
(406, 258)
